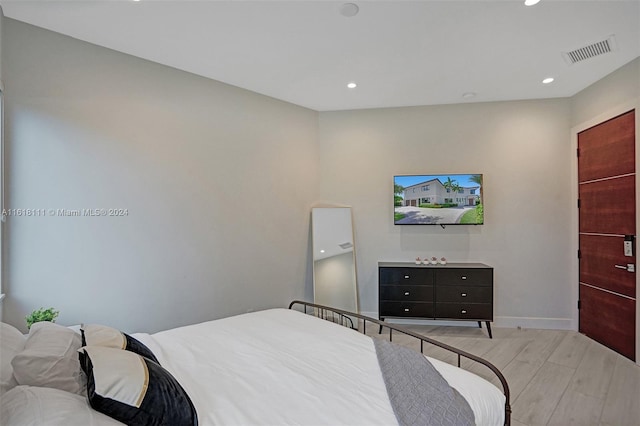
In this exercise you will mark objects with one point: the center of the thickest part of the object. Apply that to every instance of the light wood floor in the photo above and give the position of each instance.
(555, 377)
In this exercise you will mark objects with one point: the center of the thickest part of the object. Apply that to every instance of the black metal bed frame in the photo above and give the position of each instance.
(344, 318)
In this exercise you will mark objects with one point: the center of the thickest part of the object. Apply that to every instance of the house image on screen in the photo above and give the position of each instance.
(434, 192)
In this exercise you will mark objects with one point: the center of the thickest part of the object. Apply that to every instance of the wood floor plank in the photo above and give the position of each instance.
(500, 355)
(518, 374)
(543, 344)
(593, 375)
(576, 408)
(570, 351)
(622, 405)
(537, 401)
(584, 399)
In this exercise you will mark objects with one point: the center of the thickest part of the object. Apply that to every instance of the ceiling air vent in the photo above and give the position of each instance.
(590, 51)
(346, 245)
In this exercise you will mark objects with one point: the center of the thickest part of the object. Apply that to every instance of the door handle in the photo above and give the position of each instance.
(630, 267)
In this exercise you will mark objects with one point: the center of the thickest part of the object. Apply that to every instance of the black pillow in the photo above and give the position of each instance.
(102, 335)
(134, 390)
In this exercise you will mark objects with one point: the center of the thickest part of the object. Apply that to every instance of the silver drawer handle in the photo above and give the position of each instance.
(463, 311)
(406, 277)
(406, 309)
(464, 278)
(406, 293)
(463, 294)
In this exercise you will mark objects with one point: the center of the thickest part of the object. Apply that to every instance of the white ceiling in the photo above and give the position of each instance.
(401, 53)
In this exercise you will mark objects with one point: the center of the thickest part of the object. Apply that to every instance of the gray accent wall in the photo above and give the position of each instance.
(217, 183)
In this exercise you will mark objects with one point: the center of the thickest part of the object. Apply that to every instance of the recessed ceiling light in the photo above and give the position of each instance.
(352, 85)
(321, 251)
(349, 9)
(531, 2)
(469, 95)
(548, 80)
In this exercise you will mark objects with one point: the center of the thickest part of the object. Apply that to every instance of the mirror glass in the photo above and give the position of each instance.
(334, 265)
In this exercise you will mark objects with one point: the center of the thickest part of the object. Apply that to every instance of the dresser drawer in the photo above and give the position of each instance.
(470, 311)
(406, 309)
(417, 293)
(406, 276)
(470, 277)
(464, 294)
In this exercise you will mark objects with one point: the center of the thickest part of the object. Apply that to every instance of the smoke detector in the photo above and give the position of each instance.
(591, 51)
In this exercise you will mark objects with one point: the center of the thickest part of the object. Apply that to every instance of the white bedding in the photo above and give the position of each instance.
(281, 367)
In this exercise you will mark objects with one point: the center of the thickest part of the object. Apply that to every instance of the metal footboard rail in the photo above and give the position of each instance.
(344, 318)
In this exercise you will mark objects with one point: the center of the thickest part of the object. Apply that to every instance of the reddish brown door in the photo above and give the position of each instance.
(606, 178)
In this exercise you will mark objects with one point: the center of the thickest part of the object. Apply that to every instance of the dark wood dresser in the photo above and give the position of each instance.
(455, 291)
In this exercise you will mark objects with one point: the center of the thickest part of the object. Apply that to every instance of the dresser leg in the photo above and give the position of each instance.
(489, 329)
(479, 324)
(380, 331)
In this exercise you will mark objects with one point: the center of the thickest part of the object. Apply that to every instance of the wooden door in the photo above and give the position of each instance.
(606, 179)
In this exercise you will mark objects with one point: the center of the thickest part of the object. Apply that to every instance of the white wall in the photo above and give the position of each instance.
(218, 183)
(1, 225)
(523, 150)
(618, 88)
(1, 33)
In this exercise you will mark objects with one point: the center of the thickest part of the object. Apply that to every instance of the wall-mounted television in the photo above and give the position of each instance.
(452, 199)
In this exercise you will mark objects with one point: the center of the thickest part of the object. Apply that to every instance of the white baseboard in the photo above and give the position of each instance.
(532, 322)
(504, 322)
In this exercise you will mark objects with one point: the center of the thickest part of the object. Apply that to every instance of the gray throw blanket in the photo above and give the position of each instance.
(419, 395)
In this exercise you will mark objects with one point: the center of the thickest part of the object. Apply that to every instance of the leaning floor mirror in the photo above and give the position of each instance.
(334, 263)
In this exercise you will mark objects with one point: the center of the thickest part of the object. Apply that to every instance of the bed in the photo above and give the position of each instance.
(304, 365)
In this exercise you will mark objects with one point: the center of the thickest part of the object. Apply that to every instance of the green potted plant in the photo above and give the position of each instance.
(42, 314)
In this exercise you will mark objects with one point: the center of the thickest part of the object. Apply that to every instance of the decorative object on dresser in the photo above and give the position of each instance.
(454, 291)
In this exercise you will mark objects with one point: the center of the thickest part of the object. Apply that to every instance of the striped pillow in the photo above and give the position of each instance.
(102, 335)
(133, 389)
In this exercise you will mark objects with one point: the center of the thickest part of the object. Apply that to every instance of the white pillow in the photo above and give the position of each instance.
(11, 343)
(34, 406)
(50, 359)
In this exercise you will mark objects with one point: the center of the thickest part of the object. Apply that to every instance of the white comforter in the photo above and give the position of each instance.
(281, 367)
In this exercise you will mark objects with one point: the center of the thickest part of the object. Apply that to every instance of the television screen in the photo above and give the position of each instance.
(438, 200)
